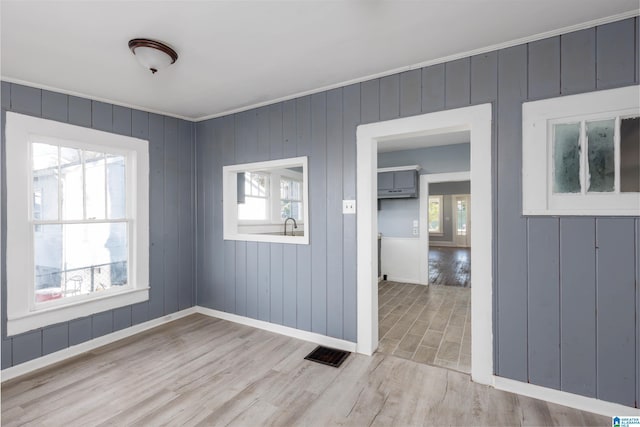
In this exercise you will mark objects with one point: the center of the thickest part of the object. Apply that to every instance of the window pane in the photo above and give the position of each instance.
(45, 181)
(290, 209)
(256, 184)
(116, 185)
(253, 208)
(71, 183)
(434, 214)
(630, 155)
(95, 175)
(566, 158)
(601, 157)
(78, 259)
(461, 223)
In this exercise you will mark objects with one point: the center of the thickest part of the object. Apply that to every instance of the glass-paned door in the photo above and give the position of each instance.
(462, 220)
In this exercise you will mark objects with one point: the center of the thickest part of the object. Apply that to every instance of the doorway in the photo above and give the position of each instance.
(477, 120)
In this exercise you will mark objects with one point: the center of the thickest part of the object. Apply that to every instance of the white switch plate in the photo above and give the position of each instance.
(348, 206)
(415, 223)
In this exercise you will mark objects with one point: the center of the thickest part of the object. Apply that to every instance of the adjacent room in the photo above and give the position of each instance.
(320, 212)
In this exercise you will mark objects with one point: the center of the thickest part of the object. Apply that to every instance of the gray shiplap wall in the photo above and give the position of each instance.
(566, 289)
(172, 216)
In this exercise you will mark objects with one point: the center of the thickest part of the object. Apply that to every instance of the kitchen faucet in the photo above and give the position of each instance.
(295, 225)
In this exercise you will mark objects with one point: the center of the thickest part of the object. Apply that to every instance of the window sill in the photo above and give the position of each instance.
(436, 234)
(23, 322)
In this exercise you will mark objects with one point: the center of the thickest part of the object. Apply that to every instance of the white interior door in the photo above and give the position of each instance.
(462, 220)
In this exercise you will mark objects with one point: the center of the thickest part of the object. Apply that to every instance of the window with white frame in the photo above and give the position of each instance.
(581, 154)
(77, 221)
(255, 205)
(290, 198)
(435, 214)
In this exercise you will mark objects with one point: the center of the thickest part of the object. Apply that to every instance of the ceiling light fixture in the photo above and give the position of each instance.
(152, 54)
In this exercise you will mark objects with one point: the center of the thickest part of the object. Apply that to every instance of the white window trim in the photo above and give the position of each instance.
(22, 314)
(439, 231)
(537, 161)
(230, 201)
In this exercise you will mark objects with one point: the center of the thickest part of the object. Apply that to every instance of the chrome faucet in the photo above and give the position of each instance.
(295, 225)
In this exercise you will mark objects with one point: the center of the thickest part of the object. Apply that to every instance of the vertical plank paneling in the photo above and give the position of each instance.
(55, 338)
(310, 130)
(25, 99)
(316, 299)
(289, 288)
(121, 318)
(264, 281)
(458, 83)
(433, 88)
(390, 97)
(544, 302)
(263, 144)
(276, 277)
(615, 283)
(544, 68)
(27, 346)
(578, 61)
(511, 230)
(80, 111)
(55, 106)
(102, 324)
(7, 353)
(351, 119)
(186, 204)
(252, 279)
(230, 276)
(484, 78)
(122, 120)
(222, 130)
(171, 241)
(79, 330)
(577, 306)
(289, 142)
(284, 256)
(139, 129)
(204, 214)
(156, 215)
(637, 59)
(410, 93)
(615, 54)
(334, 237)
(5, 95)
(275, 131)
(241, 278)
(370, 101)
(101, 116)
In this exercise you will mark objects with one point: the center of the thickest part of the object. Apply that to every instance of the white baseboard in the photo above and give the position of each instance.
(75, 350)
(282, 330)
(576, 401)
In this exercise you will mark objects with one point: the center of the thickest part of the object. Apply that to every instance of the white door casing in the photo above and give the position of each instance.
(477, 120)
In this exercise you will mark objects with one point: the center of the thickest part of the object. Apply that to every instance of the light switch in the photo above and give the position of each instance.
(415, 223)
(348, 206)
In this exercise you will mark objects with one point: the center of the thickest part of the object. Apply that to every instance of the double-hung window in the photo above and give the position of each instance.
(290, 198)
(77, 220)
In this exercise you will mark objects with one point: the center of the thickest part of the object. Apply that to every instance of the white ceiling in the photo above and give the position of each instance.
(236, 54)
(423, 141)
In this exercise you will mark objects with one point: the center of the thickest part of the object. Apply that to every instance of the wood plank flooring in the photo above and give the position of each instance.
(449, 266)
(204, 371)
(426, 324)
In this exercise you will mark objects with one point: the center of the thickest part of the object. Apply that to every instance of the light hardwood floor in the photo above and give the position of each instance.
(426, 324)
(204, 371)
